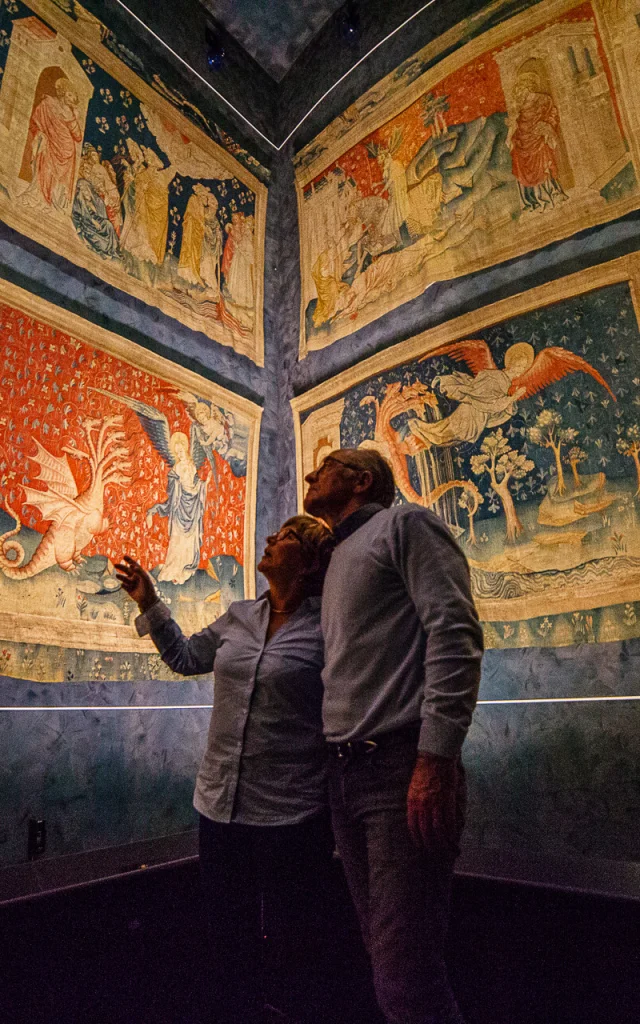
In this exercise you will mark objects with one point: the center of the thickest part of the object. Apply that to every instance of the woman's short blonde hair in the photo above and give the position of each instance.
(317, 543)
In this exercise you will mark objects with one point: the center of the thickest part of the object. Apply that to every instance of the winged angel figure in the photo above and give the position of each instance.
(186, 491)
(489, 396)
(210, 428)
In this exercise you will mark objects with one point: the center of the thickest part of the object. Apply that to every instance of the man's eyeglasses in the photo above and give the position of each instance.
(340, 462)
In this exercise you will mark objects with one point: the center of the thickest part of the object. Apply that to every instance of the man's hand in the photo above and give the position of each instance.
(137, 582)
(435, 804)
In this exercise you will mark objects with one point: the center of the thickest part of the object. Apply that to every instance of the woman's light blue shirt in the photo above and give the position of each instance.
(265, 762)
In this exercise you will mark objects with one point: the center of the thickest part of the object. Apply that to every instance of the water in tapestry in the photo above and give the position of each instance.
(100, 167)
(526, 134)
(525, 437)
(102, 455)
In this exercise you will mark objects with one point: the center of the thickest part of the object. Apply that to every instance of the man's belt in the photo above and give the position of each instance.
(358, 748)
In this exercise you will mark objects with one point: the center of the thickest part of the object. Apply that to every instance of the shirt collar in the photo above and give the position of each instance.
(310, 604)
(357, 519)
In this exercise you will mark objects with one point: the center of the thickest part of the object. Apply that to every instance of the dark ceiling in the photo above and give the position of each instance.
(274, 32)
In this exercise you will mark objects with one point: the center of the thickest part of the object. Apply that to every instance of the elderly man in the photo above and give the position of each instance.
(402, 665)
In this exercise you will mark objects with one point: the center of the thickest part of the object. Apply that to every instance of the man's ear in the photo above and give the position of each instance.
(364, 483)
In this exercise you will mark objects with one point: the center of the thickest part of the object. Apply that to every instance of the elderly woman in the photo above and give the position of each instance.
(265, 839)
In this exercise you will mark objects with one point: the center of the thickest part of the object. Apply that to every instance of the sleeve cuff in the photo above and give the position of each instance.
(151, 619)
(437, 736)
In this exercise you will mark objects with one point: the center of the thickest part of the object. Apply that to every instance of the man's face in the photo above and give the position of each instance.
(331, 486)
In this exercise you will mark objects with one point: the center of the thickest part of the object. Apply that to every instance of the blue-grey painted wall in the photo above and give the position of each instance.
(551, 781)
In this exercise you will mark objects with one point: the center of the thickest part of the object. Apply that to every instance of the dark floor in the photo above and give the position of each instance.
(132, 951)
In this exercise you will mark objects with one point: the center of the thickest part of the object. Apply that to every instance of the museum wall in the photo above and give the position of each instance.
(553, 775)
(110, 755)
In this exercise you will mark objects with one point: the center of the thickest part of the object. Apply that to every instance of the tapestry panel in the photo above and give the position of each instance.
(159, 74)
(101, 167)
(107, 449)
(519, 425)
(526, 134)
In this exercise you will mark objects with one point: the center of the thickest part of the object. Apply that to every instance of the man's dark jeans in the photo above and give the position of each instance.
(401, 894)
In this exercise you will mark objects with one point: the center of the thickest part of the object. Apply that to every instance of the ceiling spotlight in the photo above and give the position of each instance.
(350, 23)
(216, 52)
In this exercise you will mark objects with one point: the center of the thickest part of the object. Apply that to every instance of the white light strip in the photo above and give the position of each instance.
(113, 707)
(197, 74)
(235, 109)
(555, 700)
(357, 64)
(208, 707)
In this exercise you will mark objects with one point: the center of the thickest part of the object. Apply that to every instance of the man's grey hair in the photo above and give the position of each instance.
(383, 488)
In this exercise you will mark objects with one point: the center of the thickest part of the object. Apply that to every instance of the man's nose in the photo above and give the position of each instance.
(310, 478)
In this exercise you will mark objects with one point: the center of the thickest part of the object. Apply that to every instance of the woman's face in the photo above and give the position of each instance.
(283, 556)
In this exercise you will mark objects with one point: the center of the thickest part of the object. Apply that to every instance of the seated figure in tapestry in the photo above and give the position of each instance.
(96, 210)
(122, 209)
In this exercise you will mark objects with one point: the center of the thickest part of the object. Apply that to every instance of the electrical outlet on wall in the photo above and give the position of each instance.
(36, 838)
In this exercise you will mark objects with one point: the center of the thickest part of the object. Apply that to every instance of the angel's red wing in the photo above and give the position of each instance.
(474, 353)
(553, 364)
